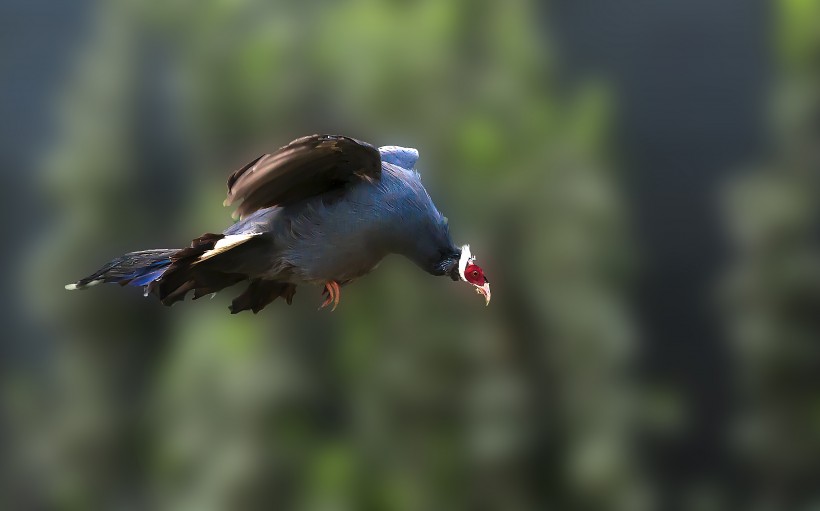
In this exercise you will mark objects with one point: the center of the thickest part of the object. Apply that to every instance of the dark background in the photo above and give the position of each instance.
(691, 78)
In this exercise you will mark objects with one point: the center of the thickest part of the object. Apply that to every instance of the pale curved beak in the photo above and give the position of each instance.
(484, 290)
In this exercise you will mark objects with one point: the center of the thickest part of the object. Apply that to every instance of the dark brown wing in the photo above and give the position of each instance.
(306, 167)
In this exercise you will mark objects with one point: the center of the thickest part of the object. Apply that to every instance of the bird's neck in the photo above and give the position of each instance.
(433, 251)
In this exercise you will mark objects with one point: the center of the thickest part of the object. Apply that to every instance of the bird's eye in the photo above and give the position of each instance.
(475, 273)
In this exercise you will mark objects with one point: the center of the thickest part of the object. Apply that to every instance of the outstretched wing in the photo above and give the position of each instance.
(306, 167)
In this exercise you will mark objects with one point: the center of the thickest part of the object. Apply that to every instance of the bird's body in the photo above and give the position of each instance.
(322, 210)
(322, 238)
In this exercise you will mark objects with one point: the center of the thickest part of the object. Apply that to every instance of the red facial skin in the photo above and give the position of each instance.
(474, 275)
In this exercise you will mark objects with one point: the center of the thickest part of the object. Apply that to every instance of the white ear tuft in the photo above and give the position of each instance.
(465, 259)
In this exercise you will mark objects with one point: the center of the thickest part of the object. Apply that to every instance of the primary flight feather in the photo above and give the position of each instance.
(324, 209)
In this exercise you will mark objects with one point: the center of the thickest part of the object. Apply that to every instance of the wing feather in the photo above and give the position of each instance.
(306, 167)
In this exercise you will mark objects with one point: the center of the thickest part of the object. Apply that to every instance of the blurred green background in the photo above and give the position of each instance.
(640, 181)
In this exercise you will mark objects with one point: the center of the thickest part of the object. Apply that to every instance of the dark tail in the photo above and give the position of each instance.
(132, 269)
(212, 263)
(169, 273)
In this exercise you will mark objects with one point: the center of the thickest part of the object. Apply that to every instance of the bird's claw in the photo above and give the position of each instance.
(334, 294)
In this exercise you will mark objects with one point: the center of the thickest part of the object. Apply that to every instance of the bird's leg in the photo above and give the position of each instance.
(289, 293)
(326, 291)
(337, 297)
(334, 293)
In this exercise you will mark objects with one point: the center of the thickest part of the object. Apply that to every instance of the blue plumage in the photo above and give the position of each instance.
(404, 157)
(146, 278)
(134, 269)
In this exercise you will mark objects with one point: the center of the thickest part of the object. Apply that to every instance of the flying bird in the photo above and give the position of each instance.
(322, 210)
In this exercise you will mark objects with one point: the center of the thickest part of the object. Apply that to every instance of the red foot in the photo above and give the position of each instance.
(334, 293)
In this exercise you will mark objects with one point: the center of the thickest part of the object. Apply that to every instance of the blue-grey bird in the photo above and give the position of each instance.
(324, 209)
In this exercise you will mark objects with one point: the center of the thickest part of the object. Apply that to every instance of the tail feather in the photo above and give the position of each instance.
(260, 293)
(211, 263)
(135, 269)
(185, 273)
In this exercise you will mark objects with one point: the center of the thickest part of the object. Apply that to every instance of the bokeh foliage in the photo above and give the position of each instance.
(772, 290)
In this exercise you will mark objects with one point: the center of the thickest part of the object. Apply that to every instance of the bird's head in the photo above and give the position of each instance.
(468, 271)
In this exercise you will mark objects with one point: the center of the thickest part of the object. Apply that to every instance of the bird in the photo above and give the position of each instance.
(322, 210)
